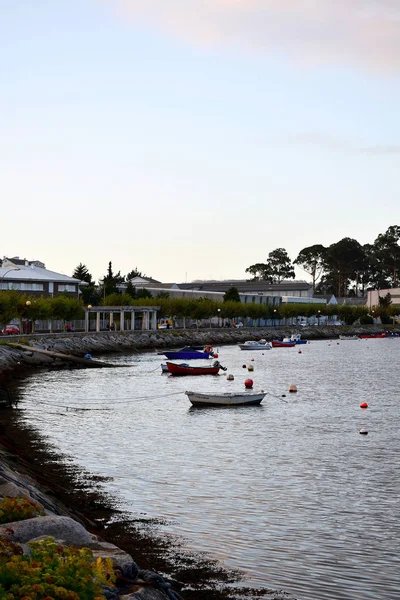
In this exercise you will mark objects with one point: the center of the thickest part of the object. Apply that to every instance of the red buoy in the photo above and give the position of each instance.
(299, 351)
(248, 383)
(363, 405)
(215, 355)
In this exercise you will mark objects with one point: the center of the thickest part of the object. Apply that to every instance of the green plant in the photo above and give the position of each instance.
(53, 571)
(18, 509)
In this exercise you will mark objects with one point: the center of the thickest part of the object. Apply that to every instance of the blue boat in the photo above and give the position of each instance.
(189, 353)
(295, 337)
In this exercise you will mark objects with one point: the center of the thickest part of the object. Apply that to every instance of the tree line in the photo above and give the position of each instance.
(345, 268)
(14, 305)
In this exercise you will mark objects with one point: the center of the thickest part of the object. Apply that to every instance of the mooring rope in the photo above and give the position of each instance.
(126, 400)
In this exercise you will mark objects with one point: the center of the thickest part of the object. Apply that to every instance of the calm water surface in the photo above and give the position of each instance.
(289, 491)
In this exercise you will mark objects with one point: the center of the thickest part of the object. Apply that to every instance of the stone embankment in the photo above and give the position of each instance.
(55, 351)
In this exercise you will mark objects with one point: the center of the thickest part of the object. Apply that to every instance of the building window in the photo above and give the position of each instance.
(66, 288)
(32, 287)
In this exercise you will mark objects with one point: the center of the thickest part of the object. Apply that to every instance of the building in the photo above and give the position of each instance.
(31, 277)
(374, 295)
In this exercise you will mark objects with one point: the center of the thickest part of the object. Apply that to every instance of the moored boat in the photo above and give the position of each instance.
(296, 338)
(254, 345)
(369, 336)
(189, 353)
(282, 344)
(184, 369)
(349, 337)
(225, 399)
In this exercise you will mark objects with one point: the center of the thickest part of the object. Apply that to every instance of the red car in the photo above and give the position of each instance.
(10, 330)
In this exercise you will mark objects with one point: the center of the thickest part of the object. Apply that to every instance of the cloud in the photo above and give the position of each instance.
(356, 33)
(336, 144)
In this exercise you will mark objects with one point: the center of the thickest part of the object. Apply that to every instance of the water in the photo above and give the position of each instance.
(288, 491)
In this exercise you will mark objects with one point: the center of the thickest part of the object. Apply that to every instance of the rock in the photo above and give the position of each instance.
(13, 491)
(61, 528)
(103, 549)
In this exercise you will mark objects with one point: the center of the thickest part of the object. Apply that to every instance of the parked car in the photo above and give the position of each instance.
(10, 330)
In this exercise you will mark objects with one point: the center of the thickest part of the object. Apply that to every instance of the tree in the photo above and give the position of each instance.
(130, 289)
(385, 301)
(81, 272)
(277, 267)
(310, 259)
(110, 281)
(143, 293)
(258, 272)
(387, 254)
(232, 295)
(134, 273)
(341, 263)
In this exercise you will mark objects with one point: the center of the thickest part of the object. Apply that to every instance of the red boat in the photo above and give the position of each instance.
(368, 336)
(278, 344)
(213, 369)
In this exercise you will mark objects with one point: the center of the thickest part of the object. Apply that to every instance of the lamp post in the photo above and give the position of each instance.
(89, 307)
(319, 313)
(4, 274)
(218, 310)
(274, 317)
(29, 330)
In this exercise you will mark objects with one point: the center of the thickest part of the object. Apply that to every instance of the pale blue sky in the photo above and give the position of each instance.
(192, 138)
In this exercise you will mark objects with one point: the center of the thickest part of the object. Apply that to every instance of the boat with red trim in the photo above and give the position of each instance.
(183, 369)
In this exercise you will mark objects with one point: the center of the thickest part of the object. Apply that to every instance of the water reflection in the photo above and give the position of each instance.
(288, 491)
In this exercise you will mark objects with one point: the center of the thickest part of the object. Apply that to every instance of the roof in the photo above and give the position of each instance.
(243, 285)
(33, 273)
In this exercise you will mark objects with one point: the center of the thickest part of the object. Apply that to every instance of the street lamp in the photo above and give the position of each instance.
(218, 310)
(274, 317)
(319, 313)
(89, 307)
(4, 274)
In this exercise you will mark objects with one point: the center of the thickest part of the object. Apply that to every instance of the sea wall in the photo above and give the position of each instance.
(17, 353)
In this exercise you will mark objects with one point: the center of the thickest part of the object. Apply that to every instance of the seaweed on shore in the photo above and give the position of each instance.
(79, 494)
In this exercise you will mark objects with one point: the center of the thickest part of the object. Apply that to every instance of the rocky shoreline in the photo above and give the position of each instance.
(76, 512)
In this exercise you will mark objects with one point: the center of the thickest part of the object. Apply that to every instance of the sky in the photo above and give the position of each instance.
(190, 138)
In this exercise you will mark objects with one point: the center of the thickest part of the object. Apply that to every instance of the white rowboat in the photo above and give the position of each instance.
(225, 399)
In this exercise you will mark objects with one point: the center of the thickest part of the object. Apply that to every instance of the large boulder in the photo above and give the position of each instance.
(61, 528)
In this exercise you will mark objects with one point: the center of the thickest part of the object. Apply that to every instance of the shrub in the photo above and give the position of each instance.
(54, 571)
(18, 509)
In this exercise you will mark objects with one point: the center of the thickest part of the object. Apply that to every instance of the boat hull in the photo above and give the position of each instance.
(175, 369)
(277, 344)
(186, 355)
(255, 347)
(371, 336)
(228, 399)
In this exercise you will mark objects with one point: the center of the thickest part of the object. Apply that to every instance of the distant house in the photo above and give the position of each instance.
(258, 292)
(31, 277)
(374, 295)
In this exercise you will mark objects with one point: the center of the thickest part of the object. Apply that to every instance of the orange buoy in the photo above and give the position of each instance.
(363, 405)
(248, 383)
(293, 389)
(230, 377)
(250, 368)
